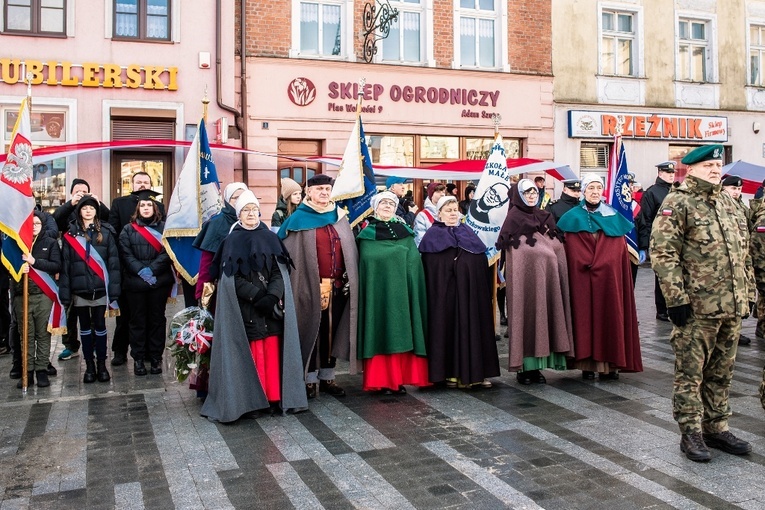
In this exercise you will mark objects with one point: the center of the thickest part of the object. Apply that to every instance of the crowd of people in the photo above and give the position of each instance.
(406, 297)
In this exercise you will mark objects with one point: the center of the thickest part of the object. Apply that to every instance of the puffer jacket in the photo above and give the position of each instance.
(249, 290)
(280, 214)
(76, 277)
(136, 253)
(47, 257)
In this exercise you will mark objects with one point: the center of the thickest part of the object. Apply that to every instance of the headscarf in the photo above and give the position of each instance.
(248, 197)
(231, 188)
(444, 200)
(375, 200)
(525, 185)
(590, 178)
(525, 220)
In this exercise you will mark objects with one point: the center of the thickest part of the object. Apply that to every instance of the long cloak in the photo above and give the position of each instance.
(234, 387)
(301, 245)
(460, 341)
(603, 301)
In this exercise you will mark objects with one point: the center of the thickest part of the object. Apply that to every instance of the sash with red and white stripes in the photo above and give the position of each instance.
(97, 265)
(57, 319)
(154, 238)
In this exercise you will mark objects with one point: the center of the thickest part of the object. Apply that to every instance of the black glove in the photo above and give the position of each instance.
(750, 311)
(679, 315)
(265, 305)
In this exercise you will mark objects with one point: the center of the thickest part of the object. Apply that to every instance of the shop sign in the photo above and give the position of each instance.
(654, 126)
(67, 74)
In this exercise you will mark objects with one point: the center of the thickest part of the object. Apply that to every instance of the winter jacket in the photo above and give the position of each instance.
(650, 203)
(424, 220)
(76, 277)
(47, 257)
(249, 290)
(64, 214)
(280, 214)
(136, 253)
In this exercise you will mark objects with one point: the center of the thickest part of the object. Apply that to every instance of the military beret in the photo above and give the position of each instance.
(732, 180)
(573, 184)
(704, 153)
(667, 166)
(320, 180)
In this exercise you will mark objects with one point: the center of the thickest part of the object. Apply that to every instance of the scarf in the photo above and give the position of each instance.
(603, 219)
(525, 220)
(245, 250)
(440, 237)
(309, 216)
(379, 230)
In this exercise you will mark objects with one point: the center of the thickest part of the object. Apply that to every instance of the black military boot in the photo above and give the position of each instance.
(156, 366)
(139, 368)
(727, 442)
(90, 372)
(102, 373)
(30, 380)
(16, 370)
(42, 379)
(692, 445)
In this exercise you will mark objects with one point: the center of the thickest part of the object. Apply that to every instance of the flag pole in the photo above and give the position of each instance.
(360, 96)
(494, 267)
(25, 285)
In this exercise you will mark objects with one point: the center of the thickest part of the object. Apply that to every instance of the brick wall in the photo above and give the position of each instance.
(269, 31)
(443, 32)
(529, 36)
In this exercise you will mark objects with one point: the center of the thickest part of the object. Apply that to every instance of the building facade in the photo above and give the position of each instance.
(116, 70)
(671, 74)
(429, 94)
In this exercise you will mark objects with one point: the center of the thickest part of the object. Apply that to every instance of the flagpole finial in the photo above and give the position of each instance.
(496, 119)
(205, 102)
(360, 95)
(29, 84)
(619, 124)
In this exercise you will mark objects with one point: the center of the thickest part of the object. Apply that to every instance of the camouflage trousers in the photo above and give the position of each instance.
(760, 309)
(762, 389)
(705, 351)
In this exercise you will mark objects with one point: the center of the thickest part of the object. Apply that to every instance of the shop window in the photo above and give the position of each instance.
(593, 158)
(678, 152)
(405, 40)
(40, 17)
(479, 33)
(321, 28)
(391, 150)
(756, 54)
(145, 20)
(480, 148)
(694, 50)
(618, 43)
(439, 147)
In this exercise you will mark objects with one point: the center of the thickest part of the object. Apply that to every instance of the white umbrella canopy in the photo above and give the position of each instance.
(752, 174)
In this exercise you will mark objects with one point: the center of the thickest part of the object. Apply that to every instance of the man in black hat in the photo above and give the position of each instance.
(123, 208)
(65, 214)
(649, 208)
(569, 198)
(732, 185)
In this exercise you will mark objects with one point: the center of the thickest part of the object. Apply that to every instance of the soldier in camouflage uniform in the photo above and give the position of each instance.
(699, 251)
(757, 252)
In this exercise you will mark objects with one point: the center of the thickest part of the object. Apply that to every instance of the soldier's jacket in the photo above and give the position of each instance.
(700, 251)
(757, 244)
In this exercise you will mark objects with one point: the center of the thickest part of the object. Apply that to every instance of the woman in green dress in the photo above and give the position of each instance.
(392, 302)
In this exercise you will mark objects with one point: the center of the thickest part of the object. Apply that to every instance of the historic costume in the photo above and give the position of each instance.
(392, 304)
(255, 361)
(606, 337)
(538, 309)
(460, 341)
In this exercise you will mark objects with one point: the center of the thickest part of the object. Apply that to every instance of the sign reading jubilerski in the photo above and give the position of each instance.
(650, 126)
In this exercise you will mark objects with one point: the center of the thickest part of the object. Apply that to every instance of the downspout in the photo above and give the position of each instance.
(239, 117)
(243, 86)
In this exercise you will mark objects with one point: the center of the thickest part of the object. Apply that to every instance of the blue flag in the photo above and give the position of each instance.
(620, 193)
(355, 183)
(195, 199)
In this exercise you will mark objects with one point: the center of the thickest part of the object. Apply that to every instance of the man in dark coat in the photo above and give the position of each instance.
(123, 208)
(569, 198)
(406, 208)
(649, 208)
(64, 215)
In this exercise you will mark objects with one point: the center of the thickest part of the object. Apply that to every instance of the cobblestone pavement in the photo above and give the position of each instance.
(139, 442)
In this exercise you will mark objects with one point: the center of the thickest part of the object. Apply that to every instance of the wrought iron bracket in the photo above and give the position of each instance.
(378, 17)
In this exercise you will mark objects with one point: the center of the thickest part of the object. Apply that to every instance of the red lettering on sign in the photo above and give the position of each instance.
(639, 126)
(694, 129)
(669, 128)
(627, 127)
(653, 129)
(608, 125)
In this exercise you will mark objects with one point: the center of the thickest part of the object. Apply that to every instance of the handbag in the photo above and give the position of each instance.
(278, 312)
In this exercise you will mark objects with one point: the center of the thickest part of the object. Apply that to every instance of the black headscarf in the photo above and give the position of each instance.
(246, 250)
(525, 220)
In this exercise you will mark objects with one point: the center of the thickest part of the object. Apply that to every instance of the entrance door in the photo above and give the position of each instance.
(157, 164)
(300, 171)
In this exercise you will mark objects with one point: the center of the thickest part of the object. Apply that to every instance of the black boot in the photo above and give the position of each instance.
(502, 319)
(156, 366)
(30, 380)
(90, 371)
(16, 370)
(139, 368)
(42, 379)
(103, 374)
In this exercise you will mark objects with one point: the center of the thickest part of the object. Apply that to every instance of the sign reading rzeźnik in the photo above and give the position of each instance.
(651, 126)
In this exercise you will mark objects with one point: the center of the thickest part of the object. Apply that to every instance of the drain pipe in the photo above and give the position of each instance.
(243, 86)
(239, 117)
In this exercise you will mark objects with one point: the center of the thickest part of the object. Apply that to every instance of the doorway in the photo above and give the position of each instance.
(157, 164)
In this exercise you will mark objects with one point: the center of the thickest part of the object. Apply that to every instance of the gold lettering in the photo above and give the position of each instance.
(151, 78)
(133, 76)
(52, 80)
(67, 79)
(89, 72)
(112, 76)
(9, 65)
(35, 68)
(173, 85)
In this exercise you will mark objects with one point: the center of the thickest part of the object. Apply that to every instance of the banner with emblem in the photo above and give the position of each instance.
(488, 209)
(195, 199)
(16, 195)
(355, 183)
(57, 318)
(619, 193)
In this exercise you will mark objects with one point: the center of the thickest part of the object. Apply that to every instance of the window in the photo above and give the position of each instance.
(693, 50)
(480, 148)
(321, 28)
(43, 17)
(617, 43)
(142, 20)
(478, 33)
(756, 54)
(404, 42)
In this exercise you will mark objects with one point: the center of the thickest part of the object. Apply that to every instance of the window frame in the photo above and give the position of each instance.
(616, 35)
(760, 48)
(35, 8)
(500, 20)
(142, 16)
(346, 30)
(425, 9)
(710, 46)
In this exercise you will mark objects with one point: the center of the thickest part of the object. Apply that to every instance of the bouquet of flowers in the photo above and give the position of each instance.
(189, 341)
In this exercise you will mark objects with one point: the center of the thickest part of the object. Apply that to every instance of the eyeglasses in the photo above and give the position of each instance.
(251, 210)
(36, 224)
(531, 191)
(387, 203)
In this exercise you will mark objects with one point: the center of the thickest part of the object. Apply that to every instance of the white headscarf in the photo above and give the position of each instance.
(445, 200)
(523, 186)
(375, 200)
(248, 197)
(231, 188)
(590, 178)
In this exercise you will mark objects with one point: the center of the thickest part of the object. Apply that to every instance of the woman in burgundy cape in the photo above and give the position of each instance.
(606, 337)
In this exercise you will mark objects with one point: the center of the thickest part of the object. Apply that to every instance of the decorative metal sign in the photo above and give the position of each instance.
(377, 17)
